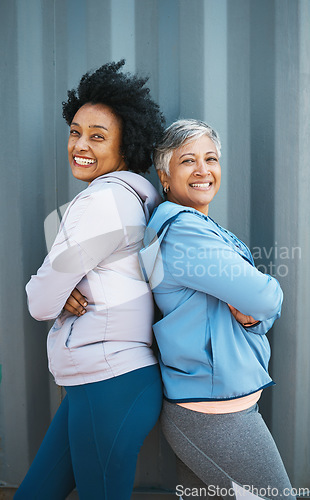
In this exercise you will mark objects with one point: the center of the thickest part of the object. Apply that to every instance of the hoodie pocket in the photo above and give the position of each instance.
(67, 343)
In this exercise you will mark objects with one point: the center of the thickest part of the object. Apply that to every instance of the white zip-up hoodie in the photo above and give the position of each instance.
(96, 250)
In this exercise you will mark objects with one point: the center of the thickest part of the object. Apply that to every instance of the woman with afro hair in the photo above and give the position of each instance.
(99, 347)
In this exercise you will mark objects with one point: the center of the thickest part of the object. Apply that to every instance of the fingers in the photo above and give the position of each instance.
(236, 314)
(242, 318)
(74, 310)
(233, 310)
(252, 323)
(76, 303)
(79, 297)
(251, 320)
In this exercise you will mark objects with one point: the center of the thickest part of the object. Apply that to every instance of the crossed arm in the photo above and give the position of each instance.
(77, 304)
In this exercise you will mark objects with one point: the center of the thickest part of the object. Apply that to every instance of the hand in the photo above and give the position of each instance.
(76, 303)
(243, 319)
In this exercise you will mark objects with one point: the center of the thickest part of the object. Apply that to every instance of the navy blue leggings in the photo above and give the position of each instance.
(94, 439)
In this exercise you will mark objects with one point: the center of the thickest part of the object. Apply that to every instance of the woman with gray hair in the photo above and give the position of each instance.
(216, 310)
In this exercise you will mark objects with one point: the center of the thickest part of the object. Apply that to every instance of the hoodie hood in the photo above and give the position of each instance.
(166, 213)
(138, 185)
(159, 224)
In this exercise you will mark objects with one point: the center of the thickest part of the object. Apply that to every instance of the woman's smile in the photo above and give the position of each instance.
(83, 161)
(194, 174)
(95, 142)
(204, 186)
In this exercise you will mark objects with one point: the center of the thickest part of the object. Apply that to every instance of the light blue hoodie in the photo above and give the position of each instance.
(195, 268)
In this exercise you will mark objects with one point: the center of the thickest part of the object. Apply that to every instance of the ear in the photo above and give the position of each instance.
(163, 177)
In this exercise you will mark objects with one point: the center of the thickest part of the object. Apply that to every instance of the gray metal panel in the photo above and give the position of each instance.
(238, 146)
(262, 120)
(291, 353)
(242, 66)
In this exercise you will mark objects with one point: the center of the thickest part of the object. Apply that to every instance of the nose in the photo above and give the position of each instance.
(202, 168)
(81, 143)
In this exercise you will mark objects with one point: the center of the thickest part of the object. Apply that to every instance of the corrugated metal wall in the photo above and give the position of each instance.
(241, 65)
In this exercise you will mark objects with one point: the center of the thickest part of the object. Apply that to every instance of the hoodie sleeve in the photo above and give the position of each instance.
(197, 257)
(263, 326)
(91, 230)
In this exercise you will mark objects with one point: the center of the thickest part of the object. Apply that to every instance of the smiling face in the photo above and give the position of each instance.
(194, 174)
(94, 145)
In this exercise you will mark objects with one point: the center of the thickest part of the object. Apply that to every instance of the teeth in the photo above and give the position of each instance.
(205, 184)
(83, 161)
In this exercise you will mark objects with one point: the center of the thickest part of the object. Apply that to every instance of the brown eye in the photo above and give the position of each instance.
(97, 136)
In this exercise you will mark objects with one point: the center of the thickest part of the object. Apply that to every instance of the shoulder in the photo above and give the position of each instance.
(101, 208)
(104, 195)
(130, 181)
(169, 213)
(170, 220)
(192, 222)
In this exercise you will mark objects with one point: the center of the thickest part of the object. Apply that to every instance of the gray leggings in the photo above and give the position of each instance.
(218, 453)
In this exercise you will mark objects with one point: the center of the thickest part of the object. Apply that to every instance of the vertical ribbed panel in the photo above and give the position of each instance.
(215, 74)
(238, 147)
(243, 66)
(291, 347)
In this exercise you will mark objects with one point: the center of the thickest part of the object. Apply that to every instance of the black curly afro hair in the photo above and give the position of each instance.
(126, 95)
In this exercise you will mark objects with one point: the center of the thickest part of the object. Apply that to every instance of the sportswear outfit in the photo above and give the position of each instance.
(104, 357)
(195, 268)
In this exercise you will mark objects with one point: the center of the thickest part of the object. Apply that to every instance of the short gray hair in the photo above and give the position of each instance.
(176, 135)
